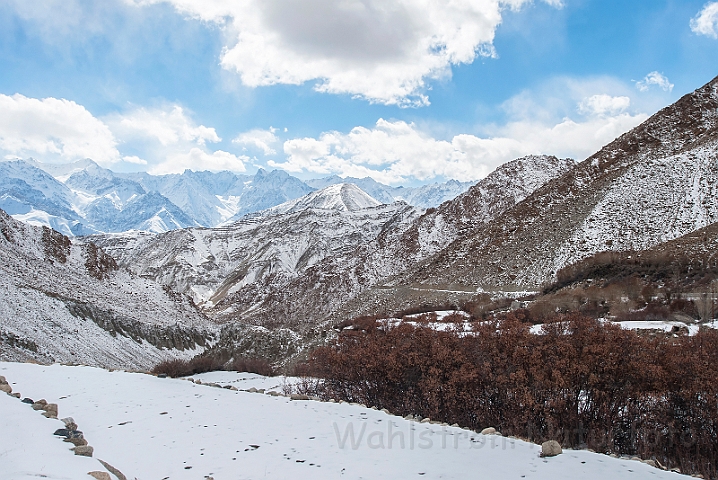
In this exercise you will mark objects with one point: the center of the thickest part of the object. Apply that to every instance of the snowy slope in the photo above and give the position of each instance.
(151, 428)
(655, 183)
(326, 288)
(262, 251)
(67, 302)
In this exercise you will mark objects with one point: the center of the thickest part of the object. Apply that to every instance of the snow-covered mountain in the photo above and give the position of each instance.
(328, 286)
(82, 198)
(261, 251)
(425, 196)
(68, 302)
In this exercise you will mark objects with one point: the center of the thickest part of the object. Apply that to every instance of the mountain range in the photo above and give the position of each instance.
(83, 198)
(274, 281)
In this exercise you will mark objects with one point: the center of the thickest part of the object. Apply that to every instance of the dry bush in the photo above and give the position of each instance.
(183, 368)
(259, 366)
(583, 382)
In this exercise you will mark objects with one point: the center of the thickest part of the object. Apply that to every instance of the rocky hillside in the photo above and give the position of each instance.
(260, 253)
(652, 184)
(326, 287)
(66, 302)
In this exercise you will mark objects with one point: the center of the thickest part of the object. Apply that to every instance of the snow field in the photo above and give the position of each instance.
(152, 428)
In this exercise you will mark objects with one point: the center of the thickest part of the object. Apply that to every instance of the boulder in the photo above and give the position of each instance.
(100, 475)
(551, 448)
(84, 451)
(5, 388)
(39, 405)
(488, 431)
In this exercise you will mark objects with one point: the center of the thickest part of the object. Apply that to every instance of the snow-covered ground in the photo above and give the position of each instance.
(152, 428)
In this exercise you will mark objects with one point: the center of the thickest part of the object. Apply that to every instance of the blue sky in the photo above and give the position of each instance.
(405, 91)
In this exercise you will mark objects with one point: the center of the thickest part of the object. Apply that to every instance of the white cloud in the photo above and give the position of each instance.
(134, 159)
(259, 139)
(171, 141)
(54, 129)
(380, 50)
(169, 126)
(602, 104)
(706, 22)
(564, 117)
(654, 78)
(199, 159)
(393, 152)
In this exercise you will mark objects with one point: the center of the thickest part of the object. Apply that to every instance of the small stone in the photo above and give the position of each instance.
(488, 431)
(49, 414)
(4, 387)
(69, 423)
(298, 396)
(51, 408)
(29, 401)
(455, 425)
(84, 451)
(78, 442)
(260, 390)
(162, 375)
(385, 411)
(3, 380)
(550, 448)
(228, 387)
(39, 405)
(252, 390)
(100, 475)
(425, 420)
(234, 389)
(16, 395)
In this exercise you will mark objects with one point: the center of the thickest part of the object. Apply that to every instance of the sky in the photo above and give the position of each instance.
(404, 91)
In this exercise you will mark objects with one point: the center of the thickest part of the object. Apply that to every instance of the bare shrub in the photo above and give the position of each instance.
(584, 382)
(259, 366)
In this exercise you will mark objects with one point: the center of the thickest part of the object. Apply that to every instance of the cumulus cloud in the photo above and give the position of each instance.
(258, 139)
(54, 129)
(200, 159)
(168, 126)
(657, 79)
(706, 22)
(380, 50)
(602, 104)
(565, 117)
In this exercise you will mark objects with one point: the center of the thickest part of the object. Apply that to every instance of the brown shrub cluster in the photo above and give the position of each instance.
(253, 365)
(182, 368)
(583, 383)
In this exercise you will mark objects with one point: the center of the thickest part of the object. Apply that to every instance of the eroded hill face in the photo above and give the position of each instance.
(67, 302)
(326, 288)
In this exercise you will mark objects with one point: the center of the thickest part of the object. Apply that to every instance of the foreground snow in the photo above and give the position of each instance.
(152, 428)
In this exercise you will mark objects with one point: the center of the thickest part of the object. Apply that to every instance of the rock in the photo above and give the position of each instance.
(69, 423)
(5, 388)
(113, 470)
(234, 389)
(78, 442)
(386, 411)
(651, 463)
(50, 410)
(100, 475)
(488, 431)
(162, 375)
(84, 451)
(550, 448)
(16, 395)
(29, 401)
(425, 420)
(39, 405)
(260, 390)
(3, 380)
(228, 387)
(455, 425)
(252, 390)
(272, 393)
(64, 432)
(298, 396)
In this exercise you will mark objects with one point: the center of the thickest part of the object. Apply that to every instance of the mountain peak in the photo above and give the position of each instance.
(343, 197)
